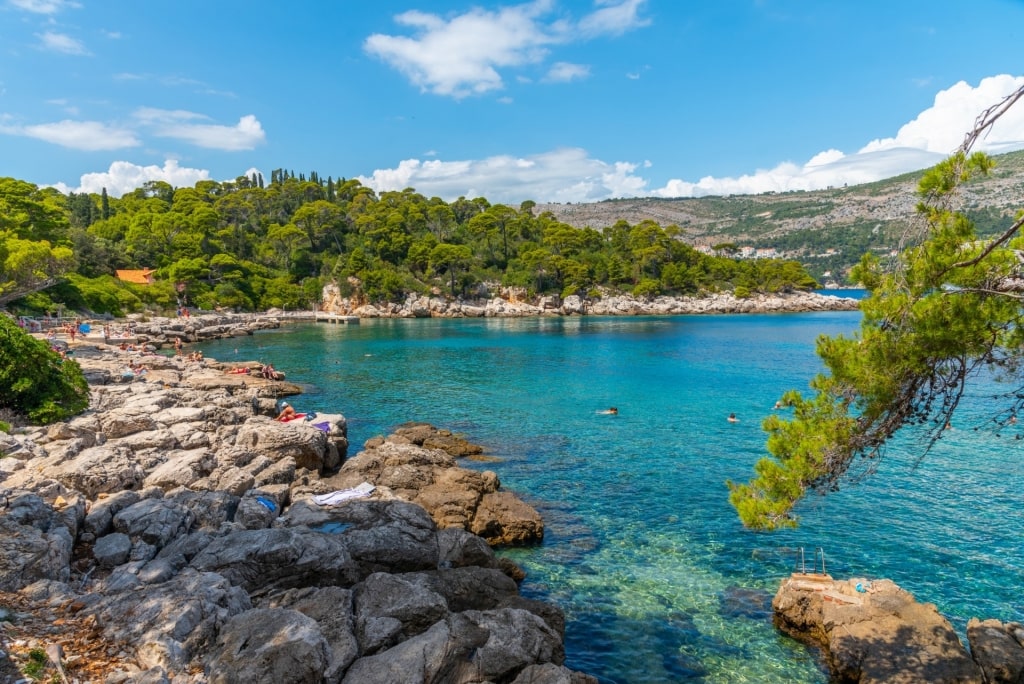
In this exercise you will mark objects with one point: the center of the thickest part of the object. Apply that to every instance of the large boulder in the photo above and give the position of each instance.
(381, 536)
(35, 542)
(873, 632)
(502, 519)
(296, 439)
(998, 648)
(331, 607)
(473, 646)
(156, 522)
(269, 646)
(453, 496)
(167, 623)
(279, 559)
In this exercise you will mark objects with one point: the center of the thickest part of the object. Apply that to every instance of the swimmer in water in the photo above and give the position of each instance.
(733, 419)
(610, 411)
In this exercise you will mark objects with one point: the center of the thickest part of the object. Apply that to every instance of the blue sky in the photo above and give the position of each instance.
(551, 100)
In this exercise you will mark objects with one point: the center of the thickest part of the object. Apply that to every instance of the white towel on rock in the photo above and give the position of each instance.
(340, 495)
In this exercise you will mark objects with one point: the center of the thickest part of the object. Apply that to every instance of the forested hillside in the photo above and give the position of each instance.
(826, 230)
(251, 245)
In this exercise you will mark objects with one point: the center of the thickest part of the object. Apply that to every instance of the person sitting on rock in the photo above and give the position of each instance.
(287, 413)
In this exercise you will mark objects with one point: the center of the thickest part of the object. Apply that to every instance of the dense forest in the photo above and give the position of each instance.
(250, 245)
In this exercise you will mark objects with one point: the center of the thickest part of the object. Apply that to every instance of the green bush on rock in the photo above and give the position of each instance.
(35, 381)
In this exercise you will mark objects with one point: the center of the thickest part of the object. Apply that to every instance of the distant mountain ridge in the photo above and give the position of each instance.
(826, 230)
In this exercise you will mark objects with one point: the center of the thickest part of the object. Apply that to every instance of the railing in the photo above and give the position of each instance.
(801, 565)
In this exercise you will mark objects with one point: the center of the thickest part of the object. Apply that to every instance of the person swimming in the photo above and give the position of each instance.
(610, 411)
(732, 418)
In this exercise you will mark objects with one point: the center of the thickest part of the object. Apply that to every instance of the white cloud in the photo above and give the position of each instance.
(124, 177)
(563, 175)
(563, 72)
(90, 136)
(923, 142)
(42, 6)
(941, 127)
(165, 123)
(462, 55)
(572, 175)
(615, 18)
(59, 42)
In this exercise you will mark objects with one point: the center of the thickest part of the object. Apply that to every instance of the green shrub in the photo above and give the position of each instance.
(647, 287)
(35, 381)
(35, 668)
(741, 292)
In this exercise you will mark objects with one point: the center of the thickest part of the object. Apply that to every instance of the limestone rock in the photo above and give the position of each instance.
(502, 518)
(171, 622)
(279, 559)
(269, 646)
(331, 607)
(998, 649)
(156, 522)
(296, 439)
(880, 635)
(34, 543)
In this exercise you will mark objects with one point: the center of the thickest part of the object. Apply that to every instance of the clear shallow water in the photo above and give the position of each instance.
(659, 581)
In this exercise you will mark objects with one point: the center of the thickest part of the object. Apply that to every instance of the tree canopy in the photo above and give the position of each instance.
(35, 381)
(948, 311)
(247, 245)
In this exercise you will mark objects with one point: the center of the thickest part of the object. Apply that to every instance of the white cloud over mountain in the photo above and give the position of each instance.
(572, 176)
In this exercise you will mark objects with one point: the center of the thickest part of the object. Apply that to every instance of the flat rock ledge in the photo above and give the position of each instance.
(874, 632)
(170, 534)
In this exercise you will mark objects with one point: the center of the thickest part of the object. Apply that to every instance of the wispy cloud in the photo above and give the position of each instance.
(614, 18)
(60, 42)
(42, 6)
(188, 127)
(563, 72)
(464, 54)
(180, 124)
(90, 136)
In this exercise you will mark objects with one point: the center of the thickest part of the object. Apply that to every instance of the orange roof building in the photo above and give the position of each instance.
(143, 277)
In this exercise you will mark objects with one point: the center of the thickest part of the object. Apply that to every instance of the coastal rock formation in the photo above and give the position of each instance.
(998, 648)
(505, 305)
(873, 632)
(417, 464)
(175, 530)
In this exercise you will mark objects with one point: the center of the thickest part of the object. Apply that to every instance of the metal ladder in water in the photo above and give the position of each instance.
(801, 565)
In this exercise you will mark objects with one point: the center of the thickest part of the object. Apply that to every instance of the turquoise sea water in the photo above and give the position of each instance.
(659, 581)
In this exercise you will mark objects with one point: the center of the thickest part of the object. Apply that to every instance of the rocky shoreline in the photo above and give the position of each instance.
(176, 532)
(514, 303)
